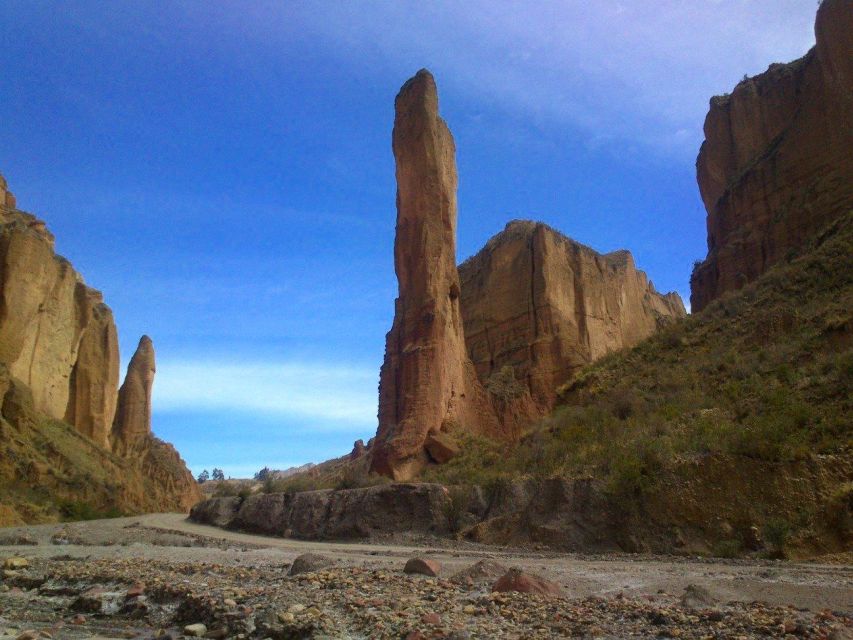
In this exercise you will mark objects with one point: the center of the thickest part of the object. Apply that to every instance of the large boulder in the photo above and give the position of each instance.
(220, 512)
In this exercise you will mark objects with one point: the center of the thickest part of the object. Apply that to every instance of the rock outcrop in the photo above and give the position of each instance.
(133, 413)
(776, 164)
(482, 348)
(427, 383)
(329, 514)
(59, 350)
(537, 306)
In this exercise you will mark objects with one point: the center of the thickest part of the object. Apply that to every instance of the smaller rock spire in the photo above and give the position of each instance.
(133, 412)
(7, 200)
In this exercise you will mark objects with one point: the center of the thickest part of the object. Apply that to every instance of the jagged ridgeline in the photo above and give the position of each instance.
(71, 443)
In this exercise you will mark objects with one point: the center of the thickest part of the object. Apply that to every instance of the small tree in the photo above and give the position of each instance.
(218, 474)
(263, 474)
(203, 477)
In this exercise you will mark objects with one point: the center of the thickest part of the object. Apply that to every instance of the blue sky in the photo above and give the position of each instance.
(223, 172)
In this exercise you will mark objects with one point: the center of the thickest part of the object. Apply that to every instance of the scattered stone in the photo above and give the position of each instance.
(16, 563)
(423, 566)
(516, 580)
(309, 562)
(79, 619)
(195, 630)
(484, 571)
(431, 618)
(136, 590)
(696, 597)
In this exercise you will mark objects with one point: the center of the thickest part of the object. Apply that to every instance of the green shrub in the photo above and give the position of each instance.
(727, 549)
(776, 532)
(459, 499)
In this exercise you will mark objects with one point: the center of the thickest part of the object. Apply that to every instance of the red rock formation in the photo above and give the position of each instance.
(776, 164)
(537, 306)
(132, 426)
(427, 384)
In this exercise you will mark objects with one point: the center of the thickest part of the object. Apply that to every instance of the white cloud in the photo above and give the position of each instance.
(641, 70)
(333, 396)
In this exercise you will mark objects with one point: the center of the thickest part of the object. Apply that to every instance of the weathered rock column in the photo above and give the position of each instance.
(427, 386)
(133, 413)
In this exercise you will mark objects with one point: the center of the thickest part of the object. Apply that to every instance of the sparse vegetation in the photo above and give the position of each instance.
(764, 373)
(71, 510)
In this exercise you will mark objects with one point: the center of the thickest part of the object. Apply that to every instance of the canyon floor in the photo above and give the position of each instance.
(151, 576)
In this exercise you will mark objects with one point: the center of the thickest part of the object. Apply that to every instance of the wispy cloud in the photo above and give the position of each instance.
(640, 70)
(330, 396)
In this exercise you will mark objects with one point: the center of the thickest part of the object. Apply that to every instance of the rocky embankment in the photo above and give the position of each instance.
(695, 507)
(132, 578)
(70, 438)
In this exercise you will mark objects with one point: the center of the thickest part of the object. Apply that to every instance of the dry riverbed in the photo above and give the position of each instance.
(161, 576)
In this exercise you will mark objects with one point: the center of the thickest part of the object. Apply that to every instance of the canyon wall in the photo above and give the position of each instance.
(537, 306)
(776, 165)
(59, 350)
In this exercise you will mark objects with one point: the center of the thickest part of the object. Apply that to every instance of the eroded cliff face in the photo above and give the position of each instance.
(776, 164)
(59, 350)
(537, 306)
(428, 386)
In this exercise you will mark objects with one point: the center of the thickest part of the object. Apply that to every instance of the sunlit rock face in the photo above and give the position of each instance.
(537, 306)
(776, 165)
(427, 384)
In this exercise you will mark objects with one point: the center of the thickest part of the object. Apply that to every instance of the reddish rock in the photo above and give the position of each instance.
(135, 590)
(516, 580)
(423, 566)
(431, 618)
(440, 447)
(427, 383)
(776, 165)
(358, 450)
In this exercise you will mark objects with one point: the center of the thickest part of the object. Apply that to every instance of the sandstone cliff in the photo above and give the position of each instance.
(59, 350)
(428, 386)
(537, 306)
(776, 164)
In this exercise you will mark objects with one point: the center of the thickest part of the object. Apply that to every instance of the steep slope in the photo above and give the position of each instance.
(776, 164)
(733, 421)
(60, 363)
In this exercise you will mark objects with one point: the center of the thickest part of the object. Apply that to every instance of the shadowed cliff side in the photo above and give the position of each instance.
(776, 165)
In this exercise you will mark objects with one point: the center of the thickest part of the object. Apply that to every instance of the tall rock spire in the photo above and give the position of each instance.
(428, 387)
(133, 412)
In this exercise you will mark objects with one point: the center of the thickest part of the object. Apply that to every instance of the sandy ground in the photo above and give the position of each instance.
(161, 539)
